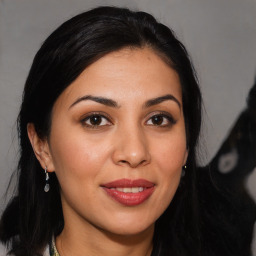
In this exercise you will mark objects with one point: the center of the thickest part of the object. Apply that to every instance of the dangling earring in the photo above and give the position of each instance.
(47, 185)
(183, 172)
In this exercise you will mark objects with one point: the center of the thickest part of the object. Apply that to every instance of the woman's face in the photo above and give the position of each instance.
(118, 142)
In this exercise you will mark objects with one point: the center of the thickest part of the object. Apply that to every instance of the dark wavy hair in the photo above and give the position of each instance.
(33, 216)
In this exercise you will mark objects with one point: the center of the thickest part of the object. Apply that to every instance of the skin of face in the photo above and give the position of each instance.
(132, 139)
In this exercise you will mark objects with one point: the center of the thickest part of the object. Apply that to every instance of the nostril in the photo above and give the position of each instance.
(143, 161)
(133, 164)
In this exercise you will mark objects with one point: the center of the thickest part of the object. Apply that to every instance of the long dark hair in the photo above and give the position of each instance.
(33, 216)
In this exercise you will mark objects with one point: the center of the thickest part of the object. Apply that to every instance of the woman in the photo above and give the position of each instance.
(108, 128)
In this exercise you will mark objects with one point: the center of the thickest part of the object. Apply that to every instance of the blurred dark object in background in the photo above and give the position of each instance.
(228, 207)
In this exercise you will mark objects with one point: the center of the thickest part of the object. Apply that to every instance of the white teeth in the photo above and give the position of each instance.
(135, 190)
(129, 190)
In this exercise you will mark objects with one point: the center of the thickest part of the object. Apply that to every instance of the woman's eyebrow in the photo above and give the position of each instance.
(114, 104)
(101, 100)
(158, 100)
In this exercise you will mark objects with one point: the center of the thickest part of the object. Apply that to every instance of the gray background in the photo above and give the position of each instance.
(219, 34)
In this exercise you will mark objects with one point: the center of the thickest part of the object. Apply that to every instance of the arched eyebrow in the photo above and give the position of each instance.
(159, 100)
(101, 100)
(114, 104)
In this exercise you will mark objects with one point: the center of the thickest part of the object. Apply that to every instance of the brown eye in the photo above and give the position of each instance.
(161, 120)
(95, 120)
(157, 120)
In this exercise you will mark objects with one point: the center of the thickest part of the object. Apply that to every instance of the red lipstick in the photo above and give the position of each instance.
(129, 192)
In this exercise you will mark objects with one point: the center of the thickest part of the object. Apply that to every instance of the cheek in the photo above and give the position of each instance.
(171, 153)
(169, 157)
(77, 157)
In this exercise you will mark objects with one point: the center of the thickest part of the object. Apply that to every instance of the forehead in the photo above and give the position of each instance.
(125, 75)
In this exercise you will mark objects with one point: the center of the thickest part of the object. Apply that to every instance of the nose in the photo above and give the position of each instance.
(131, 149)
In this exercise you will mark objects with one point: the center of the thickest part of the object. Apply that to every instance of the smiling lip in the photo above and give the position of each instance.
(129, 192)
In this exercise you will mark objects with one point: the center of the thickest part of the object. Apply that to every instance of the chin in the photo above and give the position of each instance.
(131, 231)
(129, 227)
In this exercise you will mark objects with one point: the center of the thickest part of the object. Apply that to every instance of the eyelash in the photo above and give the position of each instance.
(163, 115)
(95, 114)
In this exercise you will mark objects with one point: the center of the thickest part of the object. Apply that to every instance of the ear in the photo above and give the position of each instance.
(41, 148)
(185, 157)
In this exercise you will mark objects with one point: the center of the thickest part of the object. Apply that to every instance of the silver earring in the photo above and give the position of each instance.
(183, 172)
(47, 185)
